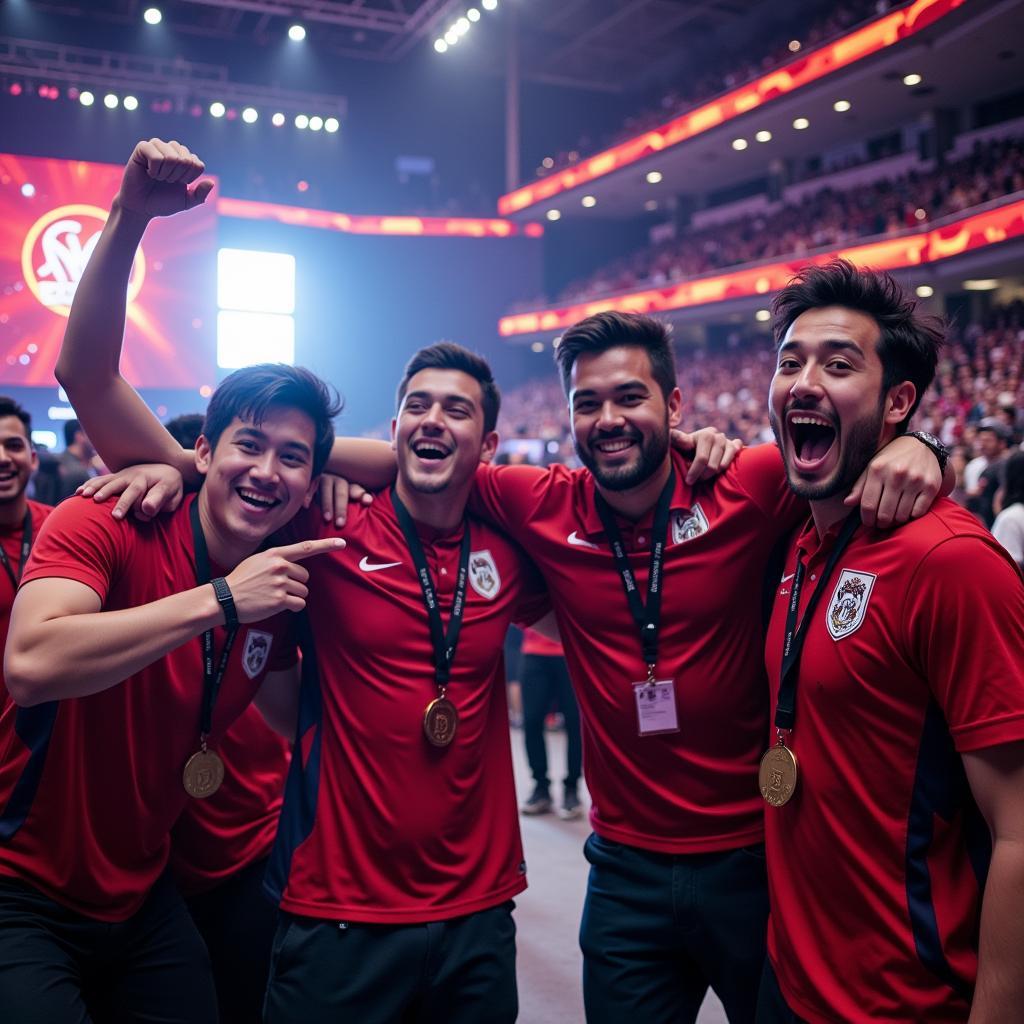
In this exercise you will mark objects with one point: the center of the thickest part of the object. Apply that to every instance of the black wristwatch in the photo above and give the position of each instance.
(226, 601)
(940, 450)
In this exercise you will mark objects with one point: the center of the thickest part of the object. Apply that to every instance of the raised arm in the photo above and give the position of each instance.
(364, 461)
(159, 180)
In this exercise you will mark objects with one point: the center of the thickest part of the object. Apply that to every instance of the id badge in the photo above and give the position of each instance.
(656, 707)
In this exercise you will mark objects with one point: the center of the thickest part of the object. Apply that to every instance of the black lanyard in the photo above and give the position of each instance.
(211, 679)
(793, 645)
(26, 547)
(646, 615)
(444, 643)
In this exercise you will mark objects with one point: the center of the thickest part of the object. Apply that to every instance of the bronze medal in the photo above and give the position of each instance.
(204, 772)
(440, 721)
(777, 775)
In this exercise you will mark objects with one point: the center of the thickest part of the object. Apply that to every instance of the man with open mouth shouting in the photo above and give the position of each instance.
(895, 782)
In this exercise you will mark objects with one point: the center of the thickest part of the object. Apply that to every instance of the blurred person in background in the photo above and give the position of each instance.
(1008, 527)
(983, 475)
(186, 428)
(77, 463)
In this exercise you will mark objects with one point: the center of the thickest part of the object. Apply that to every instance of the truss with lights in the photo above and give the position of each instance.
(462, 25)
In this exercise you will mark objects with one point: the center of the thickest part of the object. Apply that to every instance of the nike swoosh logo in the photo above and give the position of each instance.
(368, 566)
(579, 542)
(786, 579)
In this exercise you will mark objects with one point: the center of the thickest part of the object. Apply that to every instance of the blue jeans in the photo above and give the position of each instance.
(659, 929)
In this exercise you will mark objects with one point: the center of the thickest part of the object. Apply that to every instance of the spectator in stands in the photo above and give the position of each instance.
(76, 463)
(185, 429)
(994, 437)
(1008, 527)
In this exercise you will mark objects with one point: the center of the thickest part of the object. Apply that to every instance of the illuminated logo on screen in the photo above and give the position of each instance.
(56, 250)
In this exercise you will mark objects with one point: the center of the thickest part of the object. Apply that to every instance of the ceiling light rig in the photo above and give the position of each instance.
(458, 28)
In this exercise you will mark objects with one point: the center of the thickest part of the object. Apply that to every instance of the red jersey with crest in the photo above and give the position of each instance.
(217, 837)
(10, 540)
(876, 865)
(90, 787)
(695, 790)
(378, 824)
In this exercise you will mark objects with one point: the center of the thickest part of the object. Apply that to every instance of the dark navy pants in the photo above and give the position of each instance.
(460, 971)
(771, 1004)
(659, 929)
(545, 682)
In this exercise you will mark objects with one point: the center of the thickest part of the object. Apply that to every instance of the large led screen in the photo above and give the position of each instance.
(51, 215)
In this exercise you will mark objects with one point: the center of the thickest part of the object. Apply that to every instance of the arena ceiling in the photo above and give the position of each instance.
(606, 45)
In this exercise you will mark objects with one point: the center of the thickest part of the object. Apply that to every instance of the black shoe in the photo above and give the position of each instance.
(571, 808)
(538, 803)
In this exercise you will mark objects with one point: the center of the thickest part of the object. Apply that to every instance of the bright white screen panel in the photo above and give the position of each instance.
(256, 282)
(244, 339)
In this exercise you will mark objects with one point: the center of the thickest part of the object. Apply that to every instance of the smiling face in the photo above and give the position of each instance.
(828, 408)
(439, 434)
(620, 418)
(18, 459)
(258, 476)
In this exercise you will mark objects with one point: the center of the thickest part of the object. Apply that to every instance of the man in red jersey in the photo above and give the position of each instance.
(399, 851)
(896, 784)
(669, 676)
(20, 517)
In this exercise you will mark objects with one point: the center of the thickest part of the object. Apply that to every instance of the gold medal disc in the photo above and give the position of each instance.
(777, 775)
(440, 721)
(204, 772)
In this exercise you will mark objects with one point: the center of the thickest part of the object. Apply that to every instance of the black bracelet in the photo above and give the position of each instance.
(226, 601)
(939, 450)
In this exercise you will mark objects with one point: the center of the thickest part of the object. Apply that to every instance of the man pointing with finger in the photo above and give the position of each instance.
(165, 631)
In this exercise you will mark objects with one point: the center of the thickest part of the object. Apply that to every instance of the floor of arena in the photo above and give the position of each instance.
(549, 963)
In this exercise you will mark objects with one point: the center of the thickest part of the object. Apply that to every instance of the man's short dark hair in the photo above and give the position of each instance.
(250, 393)
(71, 427)
(603, 331)
(9, 407)
(909, 342)
(446, 355)
(186, 428)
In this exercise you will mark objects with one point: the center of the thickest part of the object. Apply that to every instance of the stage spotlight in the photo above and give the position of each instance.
(462, 26)
(739, 145)
(794, 45)
(653, 177)
(801, 123)
(110, 101)
(28, 190)
(981, 284)
(451, 37)
(250, 115)
(912, 79)
(131, 103)
(589, 202)
(489, 5)
(440, 45)
(651, 205)
(764, 135)
(302, 186)
(301, 121)
(332, 124)
(473, 14)
(762, 316)
(152, 16)
(537, 346)
(15, 89)
(86, 98)
(841, 106)
(217, 109)
(296, 33)
(553, 215)
(920, 214)
(924, 291)
(278, 119)
(316, 123)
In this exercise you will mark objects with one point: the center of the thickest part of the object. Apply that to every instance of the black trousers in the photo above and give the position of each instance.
(237, 922)
(545, 682)
(461, 971)
(659, 929)
(771, 1004)
(59, 967)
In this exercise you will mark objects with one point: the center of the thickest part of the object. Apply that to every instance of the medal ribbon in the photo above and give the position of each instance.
(26, 547)
(792, 648)
(444, 643)
(646, 615)
(211, 678)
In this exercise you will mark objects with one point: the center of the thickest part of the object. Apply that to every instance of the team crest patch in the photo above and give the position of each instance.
(483, 574)
(687, 524)
(849, 602)
(255, 652)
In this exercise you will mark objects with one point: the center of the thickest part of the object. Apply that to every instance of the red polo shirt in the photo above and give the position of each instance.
(914, 656)
(379, 825)
(695, 790)
(10, 540)
(90, 787)
(217, 837)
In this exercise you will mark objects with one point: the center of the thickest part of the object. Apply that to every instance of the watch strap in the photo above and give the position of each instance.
(940, 451)
(226, 601)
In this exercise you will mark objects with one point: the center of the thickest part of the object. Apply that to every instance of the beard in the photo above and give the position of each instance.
(860, 445)
(648, 459)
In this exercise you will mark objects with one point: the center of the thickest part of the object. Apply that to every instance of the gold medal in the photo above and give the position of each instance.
(440, 721)
(204, 772)
(777, 775)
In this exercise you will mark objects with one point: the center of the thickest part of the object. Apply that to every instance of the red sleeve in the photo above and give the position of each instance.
(761, 474)
(82, 541)
(534, 601)
(508, 496)
(964, 622)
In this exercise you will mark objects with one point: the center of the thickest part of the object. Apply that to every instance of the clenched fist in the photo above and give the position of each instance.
(161, 179)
